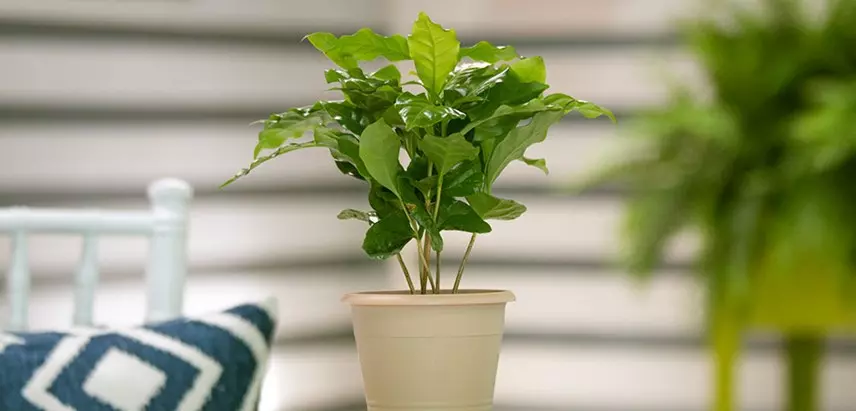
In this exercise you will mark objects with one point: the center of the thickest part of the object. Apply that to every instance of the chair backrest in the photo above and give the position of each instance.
(165, 224)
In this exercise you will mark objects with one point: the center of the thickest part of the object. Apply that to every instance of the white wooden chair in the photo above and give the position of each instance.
(165, 224)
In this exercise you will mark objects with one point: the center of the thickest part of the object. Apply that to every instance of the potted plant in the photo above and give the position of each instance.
(761, 166)
(429, 151)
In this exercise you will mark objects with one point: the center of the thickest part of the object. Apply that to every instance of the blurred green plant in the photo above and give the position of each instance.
(475, 110)
(763, 167)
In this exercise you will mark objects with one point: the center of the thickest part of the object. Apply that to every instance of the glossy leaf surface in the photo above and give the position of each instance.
(484, 51)
(434, 51)
(447, 152)
(379, 150)
(493, 208)
(417, 112)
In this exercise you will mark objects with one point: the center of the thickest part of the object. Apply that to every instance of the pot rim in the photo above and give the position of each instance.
(404, 298)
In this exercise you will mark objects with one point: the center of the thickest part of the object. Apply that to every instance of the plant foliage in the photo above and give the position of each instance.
(429, 154)
(762, 167)
(777, 137)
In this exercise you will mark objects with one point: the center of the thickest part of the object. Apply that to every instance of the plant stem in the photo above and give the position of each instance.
(406, 273)
(437, 273)
(425, 269)
(464, 263)
(436, 212)
(422, 260)
(413, 225)
(430, 280)
(439, 191)
(725, 342)
(424, 263)
(805, 352)
(422, 283)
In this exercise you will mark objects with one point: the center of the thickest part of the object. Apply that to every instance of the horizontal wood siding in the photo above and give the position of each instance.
(99, 98)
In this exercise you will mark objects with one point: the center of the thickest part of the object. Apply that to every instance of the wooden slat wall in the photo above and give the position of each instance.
(98, 98)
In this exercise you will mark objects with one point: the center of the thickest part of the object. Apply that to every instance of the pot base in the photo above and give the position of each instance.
(433, 406)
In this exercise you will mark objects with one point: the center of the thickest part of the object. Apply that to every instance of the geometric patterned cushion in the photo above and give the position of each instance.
(213, 362)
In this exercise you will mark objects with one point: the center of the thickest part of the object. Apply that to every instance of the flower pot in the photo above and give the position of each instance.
(429, 352)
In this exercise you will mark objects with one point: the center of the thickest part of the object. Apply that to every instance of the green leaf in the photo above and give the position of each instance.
(379, 150)
(263, 159)
(388, 236)
(468, 83)
(445, 152)
(417, 176)
(513, 146)
(351, 214)
(371, 94)
(484, 51)
(391, 116)
(530, 69)
(473, 79)
(459, 216)
(418, 112)
(463, 180)
(426, 185)
(349, 169)
(383, 201)
(493, 208)
(366, 45)
(518, 112)
(538, 163)
(389, 73)
(513, 90)
(487, 146)
(334, 75)
(273, 138)
(328, 44)
(347, 115)
(326, 137)
(493, 129)
(345, 148)
(591, 110)
(562, 100)
(417, 208)
(586, 108)
(510, 91)
(286, 126)
(434, 51)
(417, 169)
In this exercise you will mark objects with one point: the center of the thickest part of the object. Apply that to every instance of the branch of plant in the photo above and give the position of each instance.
(425, 272)
(437, 202)
(423, 246)
(437, 273)
(443, 126)
(464, 263)
(422, 260)
(436, 212)
(426, 264)
(425, 269)
(406, 273)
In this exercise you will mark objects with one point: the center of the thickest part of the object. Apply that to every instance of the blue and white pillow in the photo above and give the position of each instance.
(215, 362)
